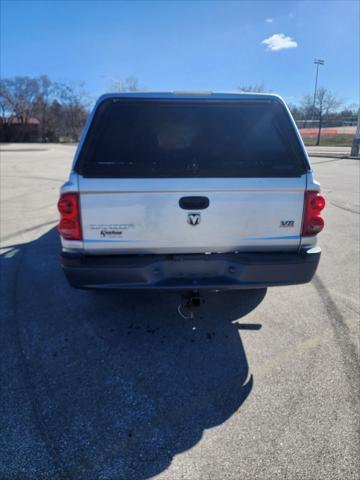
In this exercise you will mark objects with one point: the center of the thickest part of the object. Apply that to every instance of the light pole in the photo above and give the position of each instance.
(317, 62)
(356, 141)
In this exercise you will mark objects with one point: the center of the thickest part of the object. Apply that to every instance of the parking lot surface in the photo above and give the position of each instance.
(260, 385)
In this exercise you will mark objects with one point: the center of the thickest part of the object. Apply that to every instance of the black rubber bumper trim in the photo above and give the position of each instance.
(190, 271)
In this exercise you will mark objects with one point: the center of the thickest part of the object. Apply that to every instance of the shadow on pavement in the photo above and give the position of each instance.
(118, 383)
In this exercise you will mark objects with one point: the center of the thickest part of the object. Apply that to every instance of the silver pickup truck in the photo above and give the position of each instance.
(190, 191)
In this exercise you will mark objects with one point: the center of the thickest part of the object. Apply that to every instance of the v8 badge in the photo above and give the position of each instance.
(287, 223)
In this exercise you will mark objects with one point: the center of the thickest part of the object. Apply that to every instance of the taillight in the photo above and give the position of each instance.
(69, 208)
(313, 223)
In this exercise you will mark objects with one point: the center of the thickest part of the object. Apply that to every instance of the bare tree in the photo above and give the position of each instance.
(295, 110)
(18, 97)
(60, 109)
(3, 109)
(255, 88)
(350, 110)
(325, 108)
(307, 107)
(74, 102)
(130, 84)
(326, 103)
(42, 104)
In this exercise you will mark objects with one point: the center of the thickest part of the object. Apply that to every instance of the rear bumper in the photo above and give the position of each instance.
(190, 271)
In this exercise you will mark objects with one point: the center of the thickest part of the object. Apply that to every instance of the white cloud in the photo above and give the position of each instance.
(269, 20)
(279, 41)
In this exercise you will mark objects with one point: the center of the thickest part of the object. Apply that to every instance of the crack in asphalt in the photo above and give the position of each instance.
(328, 161)
(26, 230)
(58, 180)
(15, 150)
(343, 335)
(347, 209)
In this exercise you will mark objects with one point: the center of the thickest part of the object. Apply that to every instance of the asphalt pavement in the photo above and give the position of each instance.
(109, 386)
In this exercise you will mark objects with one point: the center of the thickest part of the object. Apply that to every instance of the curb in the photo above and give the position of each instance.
(333, 155)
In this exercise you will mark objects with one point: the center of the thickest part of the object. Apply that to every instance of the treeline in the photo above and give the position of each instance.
(326, 109)
(39, 109)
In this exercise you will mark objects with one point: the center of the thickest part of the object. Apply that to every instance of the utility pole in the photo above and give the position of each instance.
(317, 62)
(356, 141)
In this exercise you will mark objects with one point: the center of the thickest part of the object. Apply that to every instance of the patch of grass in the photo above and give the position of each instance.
(339, 140)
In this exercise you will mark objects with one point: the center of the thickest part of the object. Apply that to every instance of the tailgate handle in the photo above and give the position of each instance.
(194, 203)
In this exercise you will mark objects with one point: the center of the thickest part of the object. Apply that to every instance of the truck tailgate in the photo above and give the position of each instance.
(144, 215)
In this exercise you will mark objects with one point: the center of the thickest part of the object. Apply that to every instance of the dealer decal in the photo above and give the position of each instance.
(110, 233)
(111, 230)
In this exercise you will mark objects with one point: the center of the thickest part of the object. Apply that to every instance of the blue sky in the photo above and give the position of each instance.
(185, 45)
